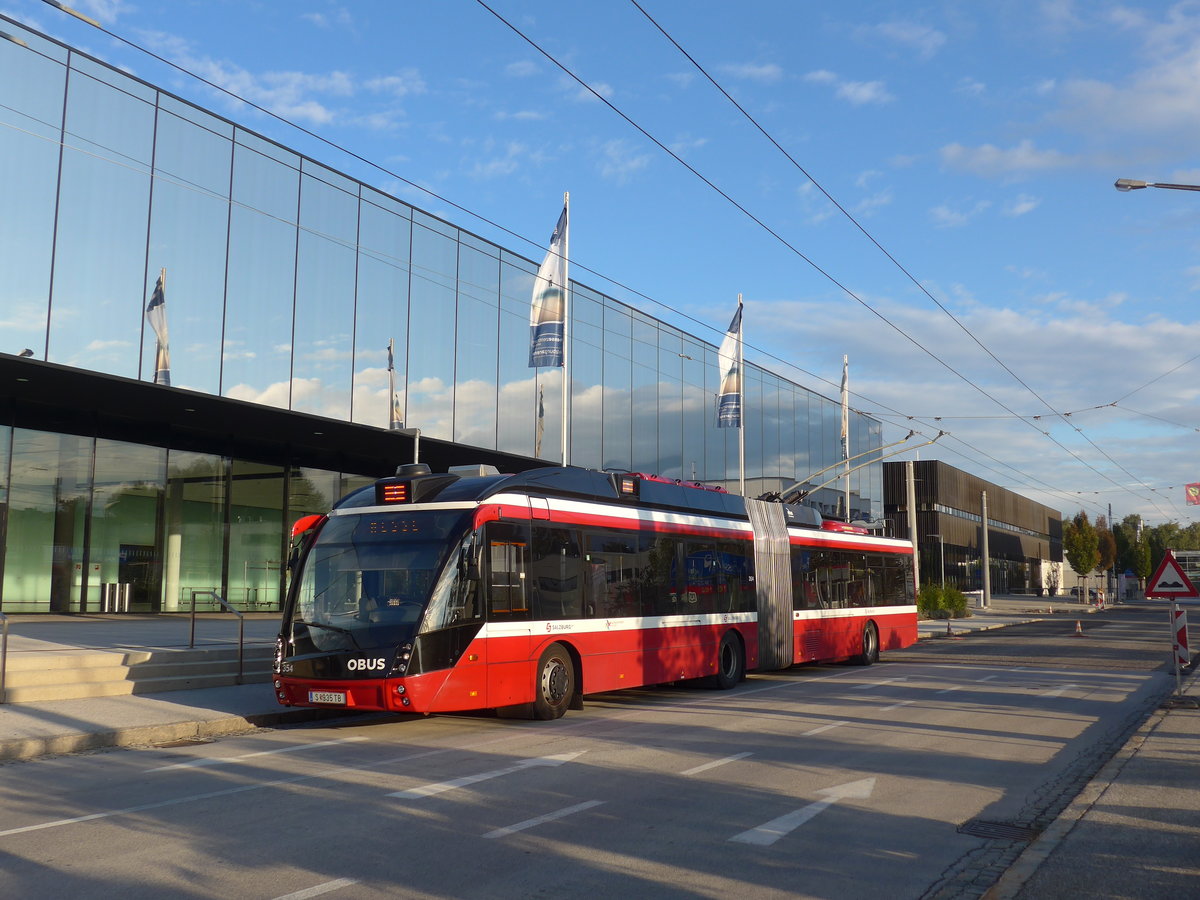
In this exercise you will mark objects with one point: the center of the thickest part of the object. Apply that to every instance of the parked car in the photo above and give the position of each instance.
(1092, 595)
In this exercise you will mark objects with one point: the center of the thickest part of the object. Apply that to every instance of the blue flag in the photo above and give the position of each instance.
(729, 362)
(156, 315)
(547, 314)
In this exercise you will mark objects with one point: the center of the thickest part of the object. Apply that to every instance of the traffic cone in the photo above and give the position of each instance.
(1078, 628)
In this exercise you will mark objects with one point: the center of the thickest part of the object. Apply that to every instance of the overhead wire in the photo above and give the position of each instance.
(974, 338)
(492, 223)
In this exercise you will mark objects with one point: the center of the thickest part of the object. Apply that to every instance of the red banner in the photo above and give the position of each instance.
(1192, 491)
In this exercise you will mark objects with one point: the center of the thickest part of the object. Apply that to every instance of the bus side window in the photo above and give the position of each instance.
(556, 573)
(505, 549)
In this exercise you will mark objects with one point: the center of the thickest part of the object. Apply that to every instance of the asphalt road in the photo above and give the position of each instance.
(823, 782)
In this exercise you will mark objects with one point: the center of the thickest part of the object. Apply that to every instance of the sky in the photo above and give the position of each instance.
(924, 188)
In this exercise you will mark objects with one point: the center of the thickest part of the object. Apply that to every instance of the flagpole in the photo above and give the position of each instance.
(741, 403)
(566, 343)
(846, 429)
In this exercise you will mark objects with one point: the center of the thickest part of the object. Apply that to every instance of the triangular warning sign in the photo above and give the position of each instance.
(1170, 582)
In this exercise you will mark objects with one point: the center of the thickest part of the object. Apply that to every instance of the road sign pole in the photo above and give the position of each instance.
(1175, 649)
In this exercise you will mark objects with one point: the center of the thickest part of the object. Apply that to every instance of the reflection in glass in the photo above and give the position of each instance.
(256, 535)
(325, 272)
(194, 524)
(260, 286)
(44, 565)
(189, 225)
(124, 554)
(476, 349)
(517, 403)
(100, 251)
(381, 311)
(30, 118)
(431, 329)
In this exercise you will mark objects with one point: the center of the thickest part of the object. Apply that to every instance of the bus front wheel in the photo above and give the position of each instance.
(555, 683)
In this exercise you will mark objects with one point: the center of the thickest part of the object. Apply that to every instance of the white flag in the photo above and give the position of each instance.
(547, 314)
(729, 362)
(156, 315)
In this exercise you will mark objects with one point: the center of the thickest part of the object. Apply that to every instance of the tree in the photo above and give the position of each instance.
(1080, 545)
(1106, 545)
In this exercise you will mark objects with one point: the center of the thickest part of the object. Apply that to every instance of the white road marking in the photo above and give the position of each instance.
(896, 705)
(540, 820)
(1059, 691)
(769, 832)
(224, 761)
(957, 687)
(318, 889)
(875, 684)
(715, 763)
(428, 790)
(828, 727)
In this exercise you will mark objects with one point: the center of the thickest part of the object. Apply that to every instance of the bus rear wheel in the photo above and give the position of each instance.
(731, 663)
(870, 646)
(555, 683)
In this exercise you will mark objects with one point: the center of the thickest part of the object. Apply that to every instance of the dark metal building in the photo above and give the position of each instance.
(1024, 537)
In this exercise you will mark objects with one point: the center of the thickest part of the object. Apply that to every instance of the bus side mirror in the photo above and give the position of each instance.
(468, 564)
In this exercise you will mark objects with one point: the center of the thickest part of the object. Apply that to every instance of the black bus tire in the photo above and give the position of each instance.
(870, 646)
(555, 685)
(731, 662)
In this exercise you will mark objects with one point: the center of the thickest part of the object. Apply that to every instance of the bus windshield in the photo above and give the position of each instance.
(367, 579)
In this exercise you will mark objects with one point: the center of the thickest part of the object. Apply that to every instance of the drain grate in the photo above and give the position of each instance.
(1004, 831)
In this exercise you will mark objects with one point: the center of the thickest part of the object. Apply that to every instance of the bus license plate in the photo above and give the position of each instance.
(338, 697)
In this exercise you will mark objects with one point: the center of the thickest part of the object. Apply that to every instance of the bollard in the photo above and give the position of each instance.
(947, 628)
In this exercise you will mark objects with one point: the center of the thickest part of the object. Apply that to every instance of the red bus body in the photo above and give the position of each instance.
(547, 585)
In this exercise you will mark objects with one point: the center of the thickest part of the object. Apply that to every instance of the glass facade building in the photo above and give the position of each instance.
(285, 282)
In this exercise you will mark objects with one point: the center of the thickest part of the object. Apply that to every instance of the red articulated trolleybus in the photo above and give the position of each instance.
(440, 592)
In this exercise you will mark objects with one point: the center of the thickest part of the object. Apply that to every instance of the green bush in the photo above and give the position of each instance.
(937, 602)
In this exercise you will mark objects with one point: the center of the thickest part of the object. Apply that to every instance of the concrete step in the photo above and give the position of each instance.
(83, 674)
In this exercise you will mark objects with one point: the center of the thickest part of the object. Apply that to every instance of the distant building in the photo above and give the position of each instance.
(1024, 537)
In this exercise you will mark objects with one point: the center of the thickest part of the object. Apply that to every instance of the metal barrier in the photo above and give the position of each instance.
(229, 607)
(3, 653)
(114, 596)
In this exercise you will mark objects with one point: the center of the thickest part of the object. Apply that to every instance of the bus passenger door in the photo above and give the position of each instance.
(505, 573)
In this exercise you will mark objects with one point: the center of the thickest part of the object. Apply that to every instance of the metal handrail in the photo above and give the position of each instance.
(229, 608)
(3, 653)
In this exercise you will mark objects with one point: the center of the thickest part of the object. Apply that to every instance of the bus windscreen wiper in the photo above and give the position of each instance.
(337, 628)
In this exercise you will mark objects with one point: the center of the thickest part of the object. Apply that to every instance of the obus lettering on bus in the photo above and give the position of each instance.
(366, 665)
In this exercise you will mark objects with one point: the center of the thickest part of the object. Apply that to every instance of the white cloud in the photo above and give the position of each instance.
(403, 83)
(524, 115)
(991, 161)
(862, 92)
(970, 87)
(765, 73)
(1023, 204)
(620, 162)
(856, 92)
(947, 217)
(925, 40)
(521, 69)
(681, 79)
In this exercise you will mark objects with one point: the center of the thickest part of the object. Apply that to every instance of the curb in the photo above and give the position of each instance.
(1012, 882)
(145, 735)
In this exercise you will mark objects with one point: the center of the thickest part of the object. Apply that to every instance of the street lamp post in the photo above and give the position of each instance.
(942, 555)
(1132, 184)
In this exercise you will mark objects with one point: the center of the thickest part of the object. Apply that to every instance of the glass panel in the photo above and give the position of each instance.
(48, 498)
(30, 119)
(195, 528)
(670, 404)
(476, 355)
(431, 333)
(260, 285)
(100, 256)
(125, 550)
(618, 412)
(752, 425)
(517, 424)
(256, 536)
(189, 226)
(322, 368)
(587, 378)
(381, 312)
(312, 492)
(645, 419)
